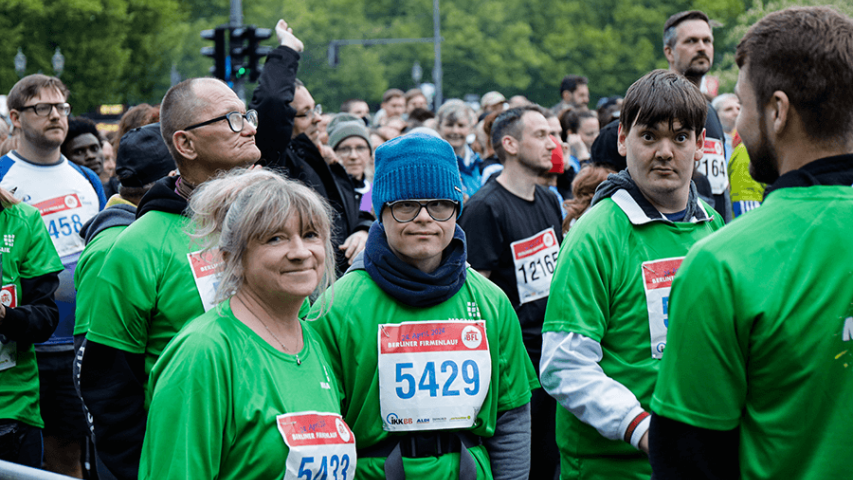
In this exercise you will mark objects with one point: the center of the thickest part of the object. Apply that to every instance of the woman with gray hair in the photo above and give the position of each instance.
(244, 391)
(456, 121)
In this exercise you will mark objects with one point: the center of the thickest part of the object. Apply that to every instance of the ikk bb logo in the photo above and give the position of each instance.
(393, 419)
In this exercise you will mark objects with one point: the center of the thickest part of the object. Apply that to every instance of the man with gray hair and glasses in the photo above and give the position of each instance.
(152, 280)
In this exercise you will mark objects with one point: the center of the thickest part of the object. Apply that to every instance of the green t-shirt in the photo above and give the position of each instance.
(88, 266)
(27, 253)
(762, 338)
(349, 331)
(598, 291)
(218, 388)
(145, 290)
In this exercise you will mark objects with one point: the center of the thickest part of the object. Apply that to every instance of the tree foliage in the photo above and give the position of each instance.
(728, 68)
(124, 50)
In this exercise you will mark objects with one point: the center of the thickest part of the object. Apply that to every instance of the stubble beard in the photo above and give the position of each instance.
(763, 161)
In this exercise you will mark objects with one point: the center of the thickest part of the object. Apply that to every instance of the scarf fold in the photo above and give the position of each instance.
(407, 284)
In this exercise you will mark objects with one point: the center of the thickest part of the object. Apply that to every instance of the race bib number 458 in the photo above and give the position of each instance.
(657, 282)
(535, 259)
(432, 375)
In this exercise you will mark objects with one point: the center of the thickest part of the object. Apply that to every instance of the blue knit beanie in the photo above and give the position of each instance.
(412, 166)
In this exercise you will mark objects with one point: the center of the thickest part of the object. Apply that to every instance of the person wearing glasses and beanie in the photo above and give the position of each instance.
(434, 378)
(153, 279)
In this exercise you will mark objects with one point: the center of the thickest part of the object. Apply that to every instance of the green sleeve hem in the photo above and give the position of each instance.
(515, 402)
(112, 342)
(692, 418)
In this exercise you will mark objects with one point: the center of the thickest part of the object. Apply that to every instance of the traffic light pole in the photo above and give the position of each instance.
(236, 22)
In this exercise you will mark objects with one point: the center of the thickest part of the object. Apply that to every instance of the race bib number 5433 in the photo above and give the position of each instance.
(432, 375)
(321, 446)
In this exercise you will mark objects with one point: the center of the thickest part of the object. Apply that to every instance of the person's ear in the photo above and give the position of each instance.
(510, 145)
(700, 146)
(184, 145)
(778, 111)
(621, 147)
(667, 52)
(15, 117)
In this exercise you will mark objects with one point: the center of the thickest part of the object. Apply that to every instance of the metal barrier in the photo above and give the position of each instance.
(13, 471)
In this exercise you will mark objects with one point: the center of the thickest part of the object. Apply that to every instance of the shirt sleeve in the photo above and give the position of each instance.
(704, 336)
(271, 99)
(125, 307)
(581, 291)
(185, 434)
(570, 373)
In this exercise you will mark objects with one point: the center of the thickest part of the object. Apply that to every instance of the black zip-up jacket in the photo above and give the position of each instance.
(298, 158)
(112, 381)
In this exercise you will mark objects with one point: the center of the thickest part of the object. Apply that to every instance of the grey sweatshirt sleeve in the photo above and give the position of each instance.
(509, 448)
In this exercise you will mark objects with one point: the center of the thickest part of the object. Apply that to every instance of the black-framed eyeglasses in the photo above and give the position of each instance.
(235, 121)
(404, 211)
(317, 111)
(43, 109)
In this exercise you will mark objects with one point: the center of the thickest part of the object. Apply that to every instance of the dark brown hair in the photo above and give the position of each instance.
(664, 96)
(806, 52)
(30, 86)
(509, 122)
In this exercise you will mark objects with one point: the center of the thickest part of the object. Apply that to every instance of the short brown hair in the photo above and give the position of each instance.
(664, 96)
(806, 52)
(30, 86)
(392, 93)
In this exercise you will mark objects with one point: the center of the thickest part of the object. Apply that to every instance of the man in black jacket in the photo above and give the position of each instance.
(287, 137)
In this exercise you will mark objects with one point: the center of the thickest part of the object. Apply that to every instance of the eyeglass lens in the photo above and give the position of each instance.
(235, 120)
(406, 211)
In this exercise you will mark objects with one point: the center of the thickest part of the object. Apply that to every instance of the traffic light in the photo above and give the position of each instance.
(257, 52)
(217, 52)
(238, 50)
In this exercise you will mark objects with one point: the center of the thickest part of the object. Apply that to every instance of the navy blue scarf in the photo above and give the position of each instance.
(407, 284)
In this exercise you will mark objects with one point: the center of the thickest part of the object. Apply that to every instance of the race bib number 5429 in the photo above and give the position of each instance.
(432, 375)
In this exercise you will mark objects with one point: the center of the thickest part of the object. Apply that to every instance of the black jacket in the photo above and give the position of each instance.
(298, 158)
(112, 381)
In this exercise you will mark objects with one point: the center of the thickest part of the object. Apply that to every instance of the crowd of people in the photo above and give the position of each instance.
(656, 288)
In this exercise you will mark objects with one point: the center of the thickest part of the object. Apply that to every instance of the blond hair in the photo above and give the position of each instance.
(242, 205)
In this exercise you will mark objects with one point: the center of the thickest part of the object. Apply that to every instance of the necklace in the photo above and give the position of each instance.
(298, 362)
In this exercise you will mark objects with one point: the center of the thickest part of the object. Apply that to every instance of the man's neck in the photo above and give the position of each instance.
(693, 79)
(518, 180)
(38, 155)
(672, 203)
